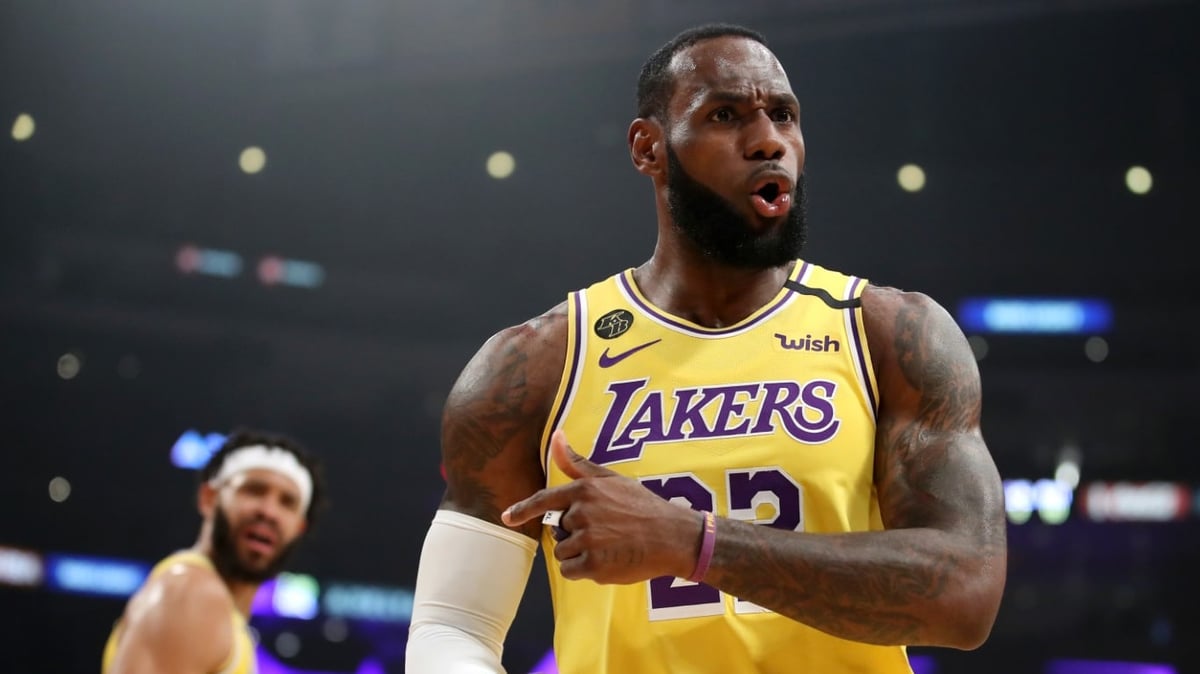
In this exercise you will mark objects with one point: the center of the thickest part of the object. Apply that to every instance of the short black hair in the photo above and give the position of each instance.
(246, 437)
(655, 84)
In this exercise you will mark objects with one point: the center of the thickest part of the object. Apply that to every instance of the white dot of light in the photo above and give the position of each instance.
(911, 177)
(336, 630)
(23, 127)
(69, 365)
(501, 165)
(1067, 473)
(252, 159)
(979, 346)
(1138, 180)
(287, 644)
(60, 489)
(1096, 349)
(1018, 500)
(1053, 501)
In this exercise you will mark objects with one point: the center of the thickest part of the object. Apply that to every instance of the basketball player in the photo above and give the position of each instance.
(736, 460)
(258, 495)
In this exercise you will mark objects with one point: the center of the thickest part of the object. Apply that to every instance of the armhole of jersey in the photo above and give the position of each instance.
(861, 353)
(576, 349)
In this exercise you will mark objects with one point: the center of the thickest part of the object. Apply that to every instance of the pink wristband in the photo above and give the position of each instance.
(706, 548)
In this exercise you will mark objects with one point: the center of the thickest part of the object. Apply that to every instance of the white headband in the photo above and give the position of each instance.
(267, 458)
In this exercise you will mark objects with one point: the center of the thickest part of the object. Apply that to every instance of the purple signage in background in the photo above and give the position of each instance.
(921, 664)
(1105, 667)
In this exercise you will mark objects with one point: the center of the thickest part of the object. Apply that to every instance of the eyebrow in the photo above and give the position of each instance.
(728, 96)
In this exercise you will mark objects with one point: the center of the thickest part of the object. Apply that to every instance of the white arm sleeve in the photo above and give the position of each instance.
(469, 583)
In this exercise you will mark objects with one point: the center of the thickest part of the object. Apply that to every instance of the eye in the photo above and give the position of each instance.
(722, 115)
(785, 115)
(290, 502)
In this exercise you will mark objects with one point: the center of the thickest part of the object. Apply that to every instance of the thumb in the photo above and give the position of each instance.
(570, 463)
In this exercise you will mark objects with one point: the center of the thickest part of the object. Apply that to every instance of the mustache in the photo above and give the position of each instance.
(263, 519)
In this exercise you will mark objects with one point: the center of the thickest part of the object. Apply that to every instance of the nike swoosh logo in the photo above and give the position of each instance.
(608, 361)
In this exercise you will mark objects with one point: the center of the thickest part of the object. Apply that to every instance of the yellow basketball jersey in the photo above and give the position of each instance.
(771, 420)
(241, 659)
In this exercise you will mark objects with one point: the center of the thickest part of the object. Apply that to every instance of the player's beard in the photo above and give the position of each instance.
(712, 224)
(230, 566)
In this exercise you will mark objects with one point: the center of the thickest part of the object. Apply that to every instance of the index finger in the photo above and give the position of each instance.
(553, 498)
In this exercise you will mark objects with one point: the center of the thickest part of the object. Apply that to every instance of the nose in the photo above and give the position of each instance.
(268, 509)
(764, 140)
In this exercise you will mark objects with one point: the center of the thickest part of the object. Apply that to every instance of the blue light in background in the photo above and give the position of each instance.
(193, 450)
(366, 602)
(1046, 316)
(95, 575)
(295, 596)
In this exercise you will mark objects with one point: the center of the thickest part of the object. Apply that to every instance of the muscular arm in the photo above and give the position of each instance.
(473, 571)
(936, 575)
(178, 622)
(493, 420)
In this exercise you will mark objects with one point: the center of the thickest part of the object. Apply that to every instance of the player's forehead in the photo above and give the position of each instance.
(265, 478)
(730, 65)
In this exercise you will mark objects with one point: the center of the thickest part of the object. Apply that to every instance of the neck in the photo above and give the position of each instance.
(683, 282)
(241, 592)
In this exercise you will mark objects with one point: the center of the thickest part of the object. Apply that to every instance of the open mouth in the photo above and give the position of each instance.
(259, 538)
(769, 192)
(772, 197)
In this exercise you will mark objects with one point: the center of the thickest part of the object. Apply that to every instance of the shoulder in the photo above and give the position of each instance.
(182, 614)
(915, 344)
(529, 355)
(890, 314)
(493, 419)
(178, 585)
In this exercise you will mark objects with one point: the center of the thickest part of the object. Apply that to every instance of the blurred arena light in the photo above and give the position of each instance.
(190, 259)
(501, 165)
(192, 450)
(60, 489)
(367, 602)
(68, 366)
(1050, 499)
(1067, 473)
(1096, 349)
(23, 127)
(335, 630)
(911, 178)
(252, 160)
(295, 595)
(1031, 315)
(287, 644)
(1138, 180)
(1136, 501)
(1106, 667)
(274, 270)
(21, 568)
(94, 575)
(921, 664)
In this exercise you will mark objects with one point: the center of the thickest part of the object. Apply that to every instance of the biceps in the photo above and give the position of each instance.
(489, 469)
(944, 479)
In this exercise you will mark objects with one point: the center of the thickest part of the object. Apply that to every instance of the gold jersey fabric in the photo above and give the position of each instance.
(241, 659)
(771, 420)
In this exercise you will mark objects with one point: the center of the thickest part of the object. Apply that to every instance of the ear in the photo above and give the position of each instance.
(646, 147)
(206, 500)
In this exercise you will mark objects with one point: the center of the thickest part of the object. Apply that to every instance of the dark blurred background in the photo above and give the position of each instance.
(282, 213)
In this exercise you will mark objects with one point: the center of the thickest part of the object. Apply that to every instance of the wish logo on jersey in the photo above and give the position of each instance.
(637, 417)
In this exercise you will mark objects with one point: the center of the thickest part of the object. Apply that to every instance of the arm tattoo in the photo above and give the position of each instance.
(492, 423)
